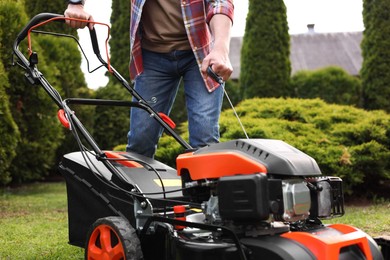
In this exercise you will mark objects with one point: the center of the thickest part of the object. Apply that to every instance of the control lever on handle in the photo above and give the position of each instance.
(214, 75)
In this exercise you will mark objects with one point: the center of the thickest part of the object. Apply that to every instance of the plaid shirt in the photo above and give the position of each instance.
(196, 15)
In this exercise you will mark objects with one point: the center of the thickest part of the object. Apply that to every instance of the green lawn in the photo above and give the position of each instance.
(374, 218)
(33, 222)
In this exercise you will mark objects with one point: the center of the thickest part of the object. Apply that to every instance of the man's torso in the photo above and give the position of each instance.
(163, 27)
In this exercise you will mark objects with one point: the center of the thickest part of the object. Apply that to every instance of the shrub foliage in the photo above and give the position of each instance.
(9, 132)
(332, 84)
(111, 123)
(31, 108)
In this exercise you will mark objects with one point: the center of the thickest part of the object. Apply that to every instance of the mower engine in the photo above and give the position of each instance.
(257, 181)
(256, 198)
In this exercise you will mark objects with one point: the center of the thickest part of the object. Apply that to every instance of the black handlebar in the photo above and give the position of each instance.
(94, 41)
(42, 17)
(24, 32)
(34, 21)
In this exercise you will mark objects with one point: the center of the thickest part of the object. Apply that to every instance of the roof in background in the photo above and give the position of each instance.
(311, 51)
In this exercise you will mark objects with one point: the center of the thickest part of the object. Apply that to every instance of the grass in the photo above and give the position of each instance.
(33, 222)
(372, 218)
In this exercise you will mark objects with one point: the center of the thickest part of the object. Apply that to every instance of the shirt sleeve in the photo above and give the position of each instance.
(214, 7)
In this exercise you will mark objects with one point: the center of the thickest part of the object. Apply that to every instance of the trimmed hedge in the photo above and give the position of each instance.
(348, 142)
(331, 84)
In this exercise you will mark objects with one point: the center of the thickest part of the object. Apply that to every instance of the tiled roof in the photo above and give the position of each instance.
(312, 51)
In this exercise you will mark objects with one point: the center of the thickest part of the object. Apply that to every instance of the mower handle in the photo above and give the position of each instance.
(42, 17)
(34, 21)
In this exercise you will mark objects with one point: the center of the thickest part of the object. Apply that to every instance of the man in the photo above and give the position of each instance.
(170, 41)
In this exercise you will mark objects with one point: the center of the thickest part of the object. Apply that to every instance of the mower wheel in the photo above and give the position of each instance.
(112, 238)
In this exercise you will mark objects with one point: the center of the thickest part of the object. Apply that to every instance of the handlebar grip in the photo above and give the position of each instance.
(34, 21)
(214, 75)
(94, 41)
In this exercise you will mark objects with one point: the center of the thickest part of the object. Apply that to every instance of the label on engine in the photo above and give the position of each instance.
(168, 182)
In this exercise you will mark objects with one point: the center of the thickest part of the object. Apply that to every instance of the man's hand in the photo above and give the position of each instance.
(77, 11)
(218, 58)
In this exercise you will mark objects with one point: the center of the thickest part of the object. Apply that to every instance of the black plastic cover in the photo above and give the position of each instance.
(244, 197)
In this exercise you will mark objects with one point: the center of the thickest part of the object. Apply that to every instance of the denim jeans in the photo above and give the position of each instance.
(158, 85)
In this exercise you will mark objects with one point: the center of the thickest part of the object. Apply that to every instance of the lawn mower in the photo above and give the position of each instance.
(246, 199)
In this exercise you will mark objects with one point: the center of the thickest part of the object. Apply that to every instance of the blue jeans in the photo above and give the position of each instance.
(158, 85)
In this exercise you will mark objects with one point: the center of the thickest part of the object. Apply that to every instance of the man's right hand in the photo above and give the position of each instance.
(77, 11)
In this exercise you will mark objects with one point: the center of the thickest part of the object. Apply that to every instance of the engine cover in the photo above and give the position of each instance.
(246, 156)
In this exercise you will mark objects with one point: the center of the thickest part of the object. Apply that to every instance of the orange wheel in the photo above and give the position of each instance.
(112, 238)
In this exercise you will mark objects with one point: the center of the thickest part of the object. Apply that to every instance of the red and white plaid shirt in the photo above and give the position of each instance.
(196, 15)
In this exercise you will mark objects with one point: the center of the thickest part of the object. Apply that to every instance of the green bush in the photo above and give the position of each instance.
(32, 109)
(169, 149)
(331, 84)
(111, 123)
(345, 141)
(29, 105)
(63, 58)
(232, 89)
(9, 132)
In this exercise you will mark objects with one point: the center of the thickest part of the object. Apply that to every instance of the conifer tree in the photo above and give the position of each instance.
(9, 132)
(265, 62)
(32, 109)
(120, 32)
(376, 55)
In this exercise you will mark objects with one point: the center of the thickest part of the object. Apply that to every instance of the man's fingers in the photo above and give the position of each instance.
(78, 24)
(91, 24)
(222, 70)
(77, 12)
